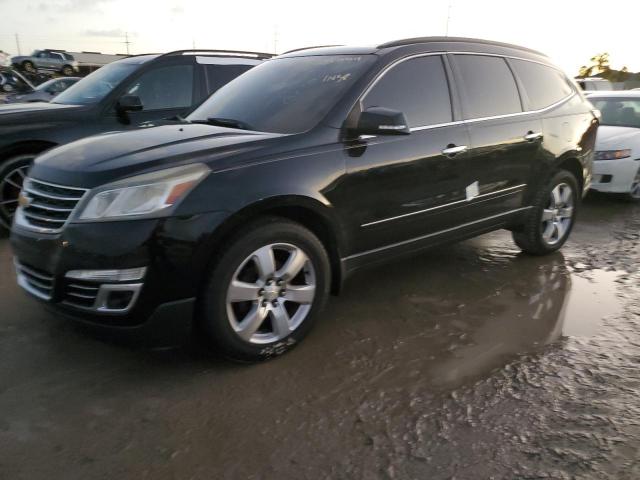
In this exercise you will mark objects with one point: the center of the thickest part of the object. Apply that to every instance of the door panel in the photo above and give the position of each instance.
(502, 161)
(397, 188)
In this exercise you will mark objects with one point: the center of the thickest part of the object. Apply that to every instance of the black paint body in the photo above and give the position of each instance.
(348, 190)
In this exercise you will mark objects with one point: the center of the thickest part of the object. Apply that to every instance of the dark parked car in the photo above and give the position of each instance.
(44, 92)
(11, 81)
(47, 59)
(118, 96)
(239, 221)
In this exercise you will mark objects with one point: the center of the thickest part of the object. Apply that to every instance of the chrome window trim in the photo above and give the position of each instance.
(468, 120)
(434, 234)
(508, 190)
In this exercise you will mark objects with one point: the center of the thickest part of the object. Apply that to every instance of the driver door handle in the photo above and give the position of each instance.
(533, 136)
(453, 150)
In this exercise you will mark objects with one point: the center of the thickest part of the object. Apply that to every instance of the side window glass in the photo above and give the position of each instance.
(164, 87)
(219, 75)
(544, 85)
(488, 86)
(418, 88)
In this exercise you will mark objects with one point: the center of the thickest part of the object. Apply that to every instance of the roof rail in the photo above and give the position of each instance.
(309, 48)
(412, 41)
(222, 53)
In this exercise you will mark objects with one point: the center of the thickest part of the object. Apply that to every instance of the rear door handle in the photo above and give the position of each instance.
(533, 136)
(453, 150)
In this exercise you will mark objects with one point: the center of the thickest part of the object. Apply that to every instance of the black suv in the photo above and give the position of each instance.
(118, 96)
(239, 221)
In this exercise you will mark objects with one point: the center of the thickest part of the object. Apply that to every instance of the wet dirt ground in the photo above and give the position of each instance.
(467, 362)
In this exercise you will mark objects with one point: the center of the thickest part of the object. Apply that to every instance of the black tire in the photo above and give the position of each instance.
(27, 66)
(634, 195)
(67, 70)
(529, 238)
(213, 320)
(10, 184)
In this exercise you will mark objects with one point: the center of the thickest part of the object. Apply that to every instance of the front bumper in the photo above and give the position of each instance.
(615, 176)
(173, 251)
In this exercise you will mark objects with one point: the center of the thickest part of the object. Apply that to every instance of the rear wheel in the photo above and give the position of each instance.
(12, 175)
(550, 221)
(264, 291)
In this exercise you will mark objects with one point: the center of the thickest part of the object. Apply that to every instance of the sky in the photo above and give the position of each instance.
(569, 31)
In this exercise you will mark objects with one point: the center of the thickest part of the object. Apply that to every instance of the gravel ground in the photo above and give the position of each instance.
(470, 361)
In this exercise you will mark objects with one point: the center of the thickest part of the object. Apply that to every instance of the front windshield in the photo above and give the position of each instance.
(285, 95)
(97, 85)
(618, 112)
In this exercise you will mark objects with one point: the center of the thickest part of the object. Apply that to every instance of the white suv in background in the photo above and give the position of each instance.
(616, 168)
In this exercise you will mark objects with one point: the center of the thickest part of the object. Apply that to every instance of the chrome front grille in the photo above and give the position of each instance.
(46, 206)
(35, 281)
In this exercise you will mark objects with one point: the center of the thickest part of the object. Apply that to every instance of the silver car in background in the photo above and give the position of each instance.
(616, 167)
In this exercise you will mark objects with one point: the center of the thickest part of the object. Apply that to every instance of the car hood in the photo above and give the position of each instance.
(614, 138)
(104, 158)
(37, 108)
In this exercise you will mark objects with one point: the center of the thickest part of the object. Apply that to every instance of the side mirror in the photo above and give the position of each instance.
(129, 103)
(382, 121)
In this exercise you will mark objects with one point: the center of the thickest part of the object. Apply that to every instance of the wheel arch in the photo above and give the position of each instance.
(28, 146)
(572, 164)
(310, 213)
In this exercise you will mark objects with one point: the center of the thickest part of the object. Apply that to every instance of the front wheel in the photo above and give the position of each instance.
(550, 220)
(634, 193)
(12, 175)
(264, 291)
(67, 71)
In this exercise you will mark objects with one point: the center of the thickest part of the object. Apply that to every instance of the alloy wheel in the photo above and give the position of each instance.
(557, 217)
(271, 293)
(10, 186)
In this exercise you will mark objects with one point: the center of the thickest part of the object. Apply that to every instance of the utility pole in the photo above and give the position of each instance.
(18, 44)
(126, 41)
(275, 39)
(193, 44)
(448, 19)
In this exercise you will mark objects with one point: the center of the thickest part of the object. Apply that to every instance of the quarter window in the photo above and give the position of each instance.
(543, 85)
(488, 86)
(165, 87)
(418, 88)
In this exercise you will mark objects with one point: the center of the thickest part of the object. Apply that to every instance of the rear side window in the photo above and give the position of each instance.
(488, 86)
(418, 88)
(165, 87)
(219, 75)
(543, 85)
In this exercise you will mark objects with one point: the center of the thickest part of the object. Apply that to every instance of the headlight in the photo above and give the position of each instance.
(613, 154)
(153, 194)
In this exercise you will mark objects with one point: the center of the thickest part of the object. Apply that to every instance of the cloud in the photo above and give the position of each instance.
(177, 10)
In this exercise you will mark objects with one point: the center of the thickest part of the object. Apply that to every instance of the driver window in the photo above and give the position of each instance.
(164, 87)
(418, 88)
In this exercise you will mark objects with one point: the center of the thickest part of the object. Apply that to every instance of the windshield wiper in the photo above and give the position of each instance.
(225, 122)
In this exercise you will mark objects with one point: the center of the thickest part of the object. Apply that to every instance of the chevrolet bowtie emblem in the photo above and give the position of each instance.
(23, 200)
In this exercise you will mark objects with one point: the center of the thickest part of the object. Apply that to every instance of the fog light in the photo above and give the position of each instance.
(126, 275)
(119, 300)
